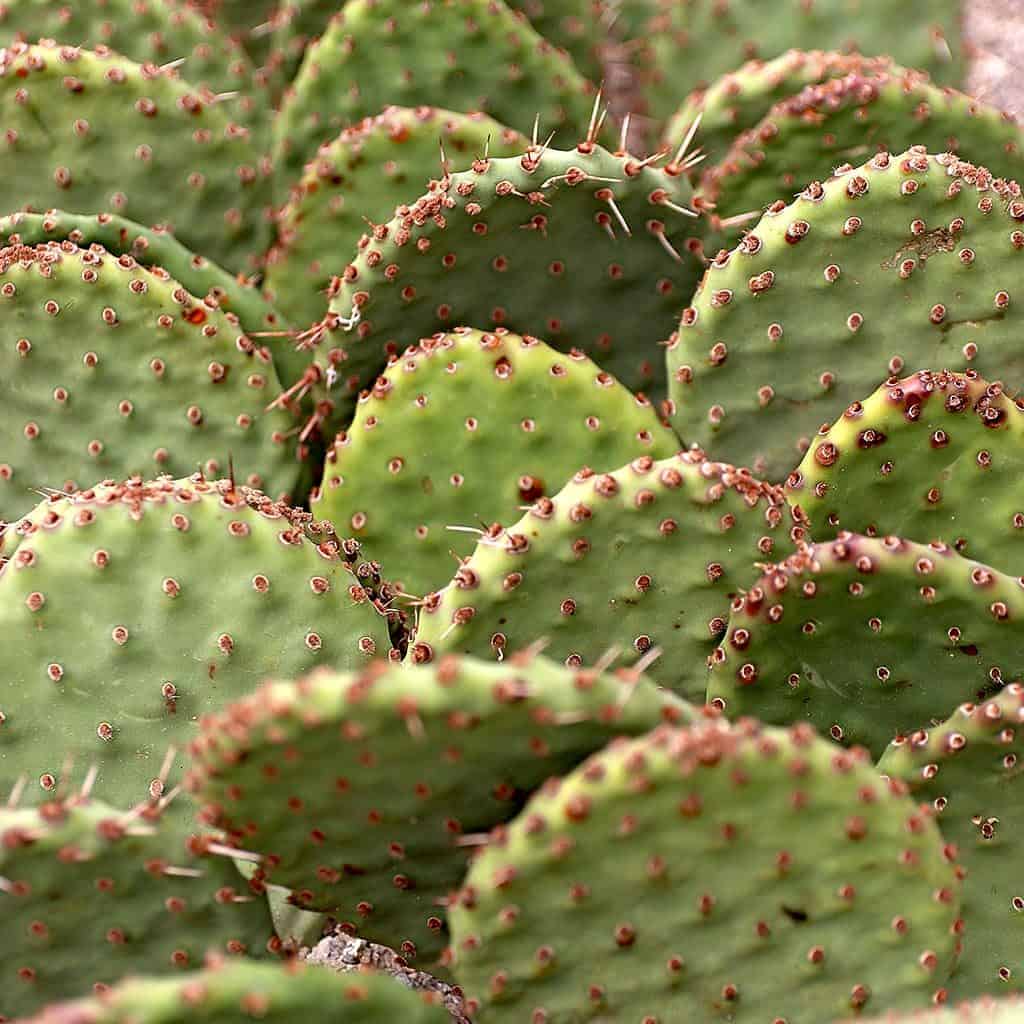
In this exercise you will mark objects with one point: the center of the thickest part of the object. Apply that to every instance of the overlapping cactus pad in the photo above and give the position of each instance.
(129, 610)
(643, 560)
(649, 883)
(111, 368)
(429, 757)
(934, 456)
(90, 893)
(227, 993)
(869, 637)
(511, 512)
(907, 261)
(418, 476)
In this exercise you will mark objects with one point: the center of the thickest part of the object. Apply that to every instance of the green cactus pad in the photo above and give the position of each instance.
(228, 993)
(146, 31)
(458, 54)
(108, 368)
(465, 430)
(709, 874)
(89, 893)
(377, 825)
(538, 244)
(92, 131)
(967, 768)
(693, 42)
(157, 247)
(867, 638)
(936, 456)
(907, 262)
(647, 557)
(577, 26)
(127, 611)
(362, 176)
(846, 120)
(739, 99)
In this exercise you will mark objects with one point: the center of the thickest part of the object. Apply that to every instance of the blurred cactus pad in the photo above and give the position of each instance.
(511, 512)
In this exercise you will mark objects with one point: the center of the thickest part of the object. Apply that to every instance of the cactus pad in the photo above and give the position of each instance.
(91, 131)
(146, 31)
(576, 26)
(583, 248)
(234, 991)
(362, 176)
(867, 638)
(89, 893)
(377, 828)
(466, 429)
(459, 54)
(684, 876)
(967, 768)
(808, 134)
(739, 99)
(692, 42)
(127, 611)
(646, 558)
(907, 261)
(936, 456)
(108, 368)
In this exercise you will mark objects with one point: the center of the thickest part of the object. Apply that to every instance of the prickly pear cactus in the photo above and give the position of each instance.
(228, 992)
(360, 177)
(90, 893)
(157, 247)
(109, 368)
(146, 31)
(457, 54)
(906, 262)
(91, 131)
(579, 27)
(934, 456)
(740, 98)
(129, 610)
(693, 42)
(678, 877)
(643, 560)
(804, 136)
(409, 807)
(867, 638)
(465, 430)
(967, 769)
(583, 248)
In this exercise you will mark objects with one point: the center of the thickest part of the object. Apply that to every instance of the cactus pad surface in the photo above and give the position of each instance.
(89, 893)
(227, 993)
(583, 248)
(378, 827)
(679, 877)
(129, 610)
(466, 429)
(907, 261)
(361, 176)
(692, 42)
(644, 559)
(89, 131)
(967, 768)
(866, 638)
(146, 31)
(458, 54)
(742, 96)
(109, 368)
(935, 456)
(806, 135)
